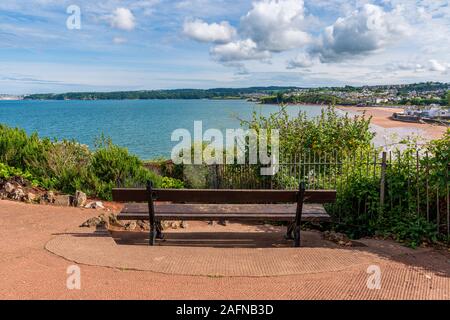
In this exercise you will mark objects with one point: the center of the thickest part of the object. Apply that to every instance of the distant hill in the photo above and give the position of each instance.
(218, 93)
(227, 93)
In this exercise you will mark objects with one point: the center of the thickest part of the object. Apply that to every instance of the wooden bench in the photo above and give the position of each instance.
(233, 205)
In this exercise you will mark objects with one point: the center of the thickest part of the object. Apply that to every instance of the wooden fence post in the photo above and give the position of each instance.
(383, 181)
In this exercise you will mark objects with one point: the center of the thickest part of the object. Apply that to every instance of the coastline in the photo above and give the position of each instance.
(390, 132)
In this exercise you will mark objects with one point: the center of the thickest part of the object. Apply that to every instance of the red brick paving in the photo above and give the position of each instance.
(28, 271)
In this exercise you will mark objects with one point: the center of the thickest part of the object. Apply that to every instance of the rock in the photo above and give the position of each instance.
(184, 224)
(95, 205)
(143, 225)
(223, 223)
(338, 238)
(31, 197)
(165, 225)
(130, 226)
(112, 220)
(9, 188)
(62, 200)
(102, 225)
(103, 221)
(169, 225)
(17, 194)
(20, 181)
(80, 199)
(49, 197)
(92, 222)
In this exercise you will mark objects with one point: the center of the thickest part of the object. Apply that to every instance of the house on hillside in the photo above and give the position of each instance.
(433, 112)
(436, 113)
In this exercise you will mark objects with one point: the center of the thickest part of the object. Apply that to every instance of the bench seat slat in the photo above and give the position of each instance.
(224, 196)
(229, 217)
(250, 212)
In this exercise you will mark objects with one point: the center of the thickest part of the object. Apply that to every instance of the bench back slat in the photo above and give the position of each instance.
(235, 196)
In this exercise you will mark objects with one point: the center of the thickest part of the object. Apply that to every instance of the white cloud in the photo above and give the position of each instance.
(215, 32)
(280, 26)
(119, 40)
(434, 65)
(276, 25)
(238, 51)
(267, 29)
(239, 67)
(124, 19)
(364, 31)
(302, 60)
(405, 66)
(430, 66)
(271, 26)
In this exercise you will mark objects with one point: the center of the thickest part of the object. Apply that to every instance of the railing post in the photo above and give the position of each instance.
(382, 182)
(216, 176)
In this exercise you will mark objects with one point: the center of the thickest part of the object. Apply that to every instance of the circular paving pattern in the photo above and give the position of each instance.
(100, 249)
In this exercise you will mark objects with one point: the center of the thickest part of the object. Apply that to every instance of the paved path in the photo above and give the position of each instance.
(29, 270)
(236, 260)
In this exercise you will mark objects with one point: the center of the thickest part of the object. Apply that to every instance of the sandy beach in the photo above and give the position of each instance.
(390, 132)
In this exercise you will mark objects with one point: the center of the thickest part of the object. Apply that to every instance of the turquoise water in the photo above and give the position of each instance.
(143, 126)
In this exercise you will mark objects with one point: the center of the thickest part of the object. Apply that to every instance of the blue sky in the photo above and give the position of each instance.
(159, 44)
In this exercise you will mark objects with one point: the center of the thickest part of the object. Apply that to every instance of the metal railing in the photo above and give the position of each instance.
(368, 183)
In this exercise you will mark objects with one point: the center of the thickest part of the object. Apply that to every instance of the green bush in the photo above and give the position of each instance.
(411, 175)
(112, 166)
(68, 166)
(7, 172)
(348, 141)
(19, 150)
(171, 183)
(409, 229)
(326, 134)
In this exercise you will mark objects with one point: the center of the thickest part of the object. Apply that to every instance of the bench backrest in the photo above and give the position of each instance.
(232, 196)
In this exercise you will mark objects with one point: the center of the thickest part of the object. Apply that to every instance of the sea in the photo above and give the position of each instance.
(143, 126)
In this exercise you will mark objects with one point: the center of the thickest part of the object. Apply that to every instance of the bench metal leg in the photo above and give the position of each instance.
(298, 215)
(158, 228)
(152, 238)
(290, 231)
(297, 237)
(156, 233)
(151, 214)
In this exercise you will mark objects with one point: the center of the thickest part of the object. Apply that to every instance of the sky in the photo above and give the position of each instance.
(83, 45)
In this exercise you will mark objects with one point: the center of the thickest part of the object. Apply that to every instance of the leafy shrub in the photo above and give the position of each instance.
(19, 150)
(348, 141)
(171, 183)
(68, 166)
(328, 133)
(415, 178)
(7, 172)
(112, 165)
(411, 230)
